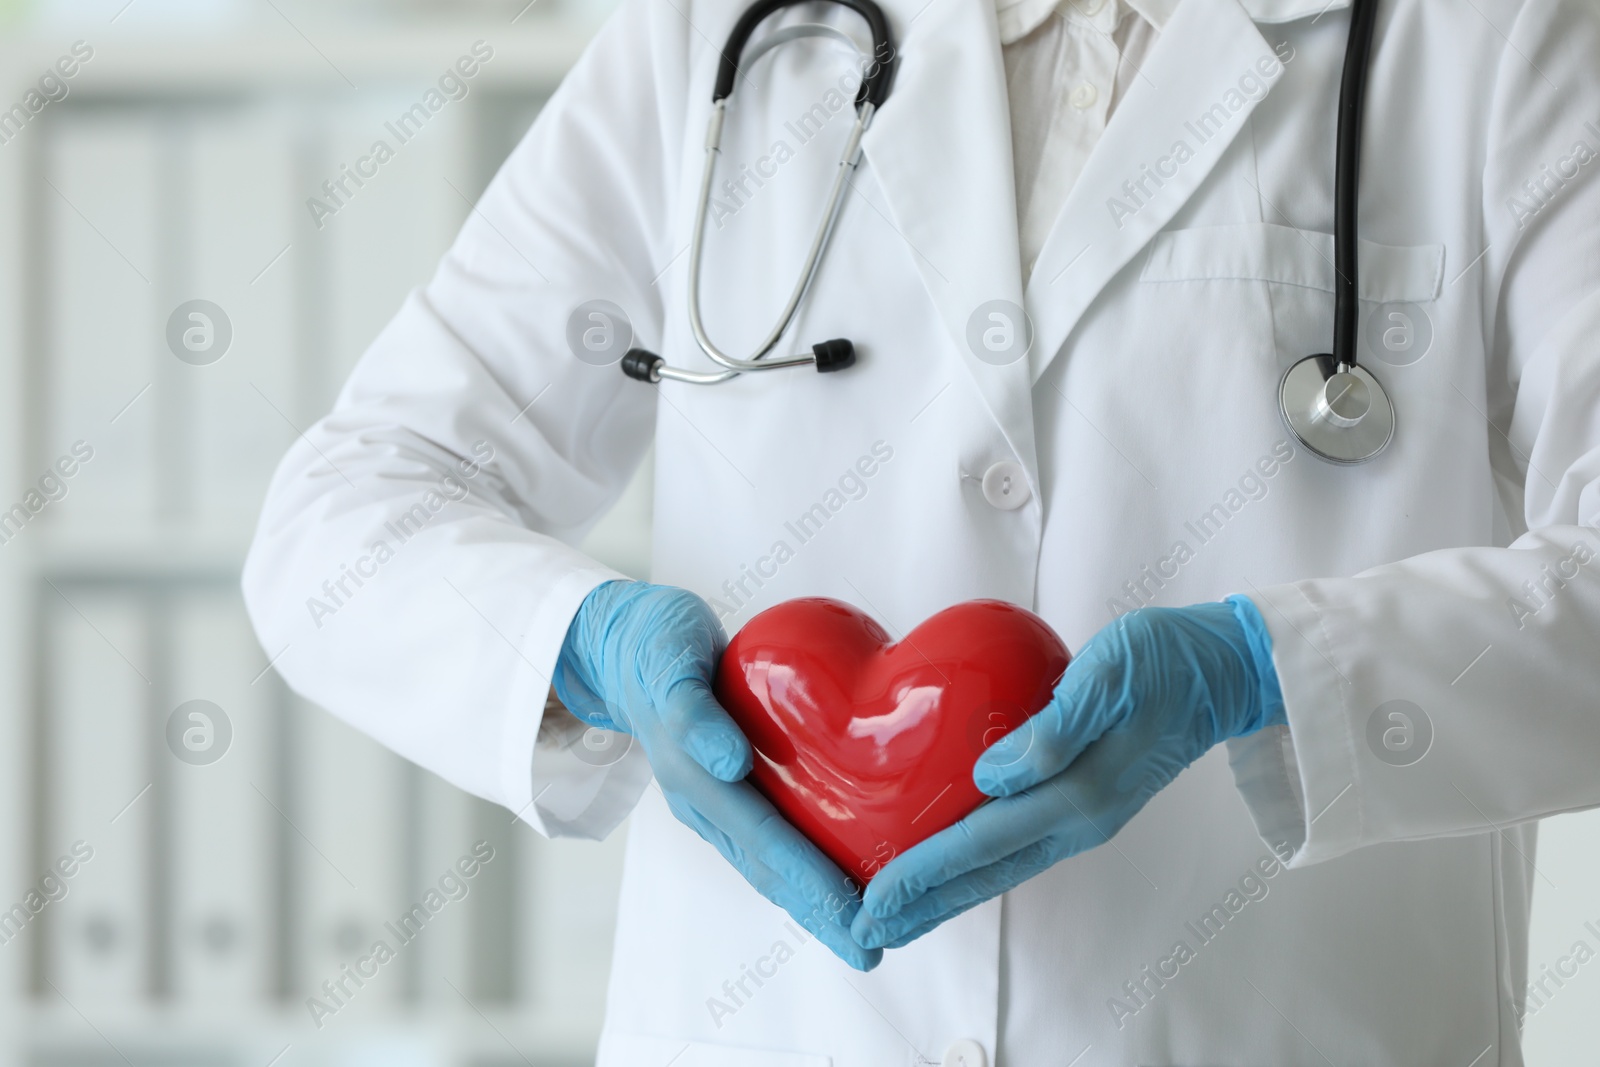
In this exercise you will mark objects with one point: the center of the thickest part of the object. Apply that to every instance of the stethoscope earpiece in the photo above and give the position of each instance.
(834, 355)
(643, 365)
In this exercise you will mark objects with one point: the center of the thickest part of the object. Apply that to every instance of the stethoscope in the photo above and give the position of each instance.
(1332, 404)
(877, 74)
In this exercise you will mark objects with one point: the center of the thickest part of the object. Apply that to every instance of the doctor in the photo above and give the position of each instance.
(1293, 824)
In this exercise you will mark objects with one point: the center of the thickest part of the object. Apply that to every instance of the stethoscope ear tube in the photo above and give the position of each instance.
(877, 73)
(877, 79)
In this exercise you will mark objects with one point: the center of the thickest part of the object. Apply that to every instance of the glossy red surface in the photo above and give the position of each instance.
(867, 746)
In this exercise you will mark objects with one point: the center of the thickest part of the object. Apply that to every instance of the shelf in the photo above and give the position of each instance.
(431, 1034)
(535, 52)
(143, 554)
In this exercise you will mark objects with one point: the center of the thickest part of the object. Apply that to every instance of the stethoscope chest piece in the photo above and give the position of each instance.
(1341, 414)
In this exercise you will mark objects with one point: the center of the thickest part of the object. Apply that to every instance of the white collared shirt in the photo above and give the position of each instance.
(1068, 64)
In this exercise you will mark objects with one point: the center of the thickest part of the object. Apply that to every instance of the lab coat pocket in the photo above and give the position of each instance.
(1296, 268)
(639, 1050)
(1301, 258)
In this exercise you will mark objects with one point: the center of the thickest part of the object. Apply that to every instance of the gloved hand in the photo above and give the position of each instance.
(640, 658)
(1146, 697)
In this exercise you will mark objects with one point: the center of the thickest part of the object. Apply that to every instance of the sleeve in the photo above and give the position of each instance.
(412, 570)
(1459, 691)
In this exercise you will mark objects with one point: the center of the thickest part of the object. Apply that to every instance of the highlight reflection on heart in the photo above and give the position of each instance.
(867, 745)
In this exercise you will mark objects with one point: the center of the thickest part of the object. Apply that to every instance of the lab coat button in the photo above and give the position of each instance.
(965, 1053)
(1005, 485)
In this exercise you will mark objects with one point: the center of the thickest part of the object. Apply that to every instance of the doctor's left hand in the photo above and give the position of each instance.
(640, 658)
(1146, 697)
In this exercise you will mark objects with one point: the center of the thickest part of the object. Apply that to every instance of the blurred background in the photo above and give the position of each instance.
(187, 851)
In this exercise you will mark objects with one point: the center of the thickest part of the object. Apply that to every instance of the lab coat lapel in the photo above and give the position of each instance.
(941, 149)
(1117, 205)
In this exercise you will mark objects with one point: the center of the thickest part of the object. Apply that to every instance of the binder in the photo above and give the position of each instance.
(439, 831)
(103, 323)
(99, 773)
(220, 875)
(388, 236)
(239, 237)
(344, 827)
(17, 637)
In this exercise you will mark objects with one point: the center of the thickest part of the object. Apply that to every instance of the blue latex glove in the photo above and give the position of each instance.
(1148, 695)
(640, 659)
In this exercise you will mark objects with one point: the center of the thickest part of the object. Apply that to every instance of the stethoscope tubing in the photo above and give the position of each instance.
(830, 216)
(1320, 421)
(1347, 184)
(877, 79)
(874, 87)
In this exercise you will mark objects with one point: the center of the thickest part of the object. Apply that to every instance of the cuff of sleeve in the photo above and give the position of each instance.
(555, 796)
(1268, 778)
(1259, 642)
(585, 780)
(1299, 781)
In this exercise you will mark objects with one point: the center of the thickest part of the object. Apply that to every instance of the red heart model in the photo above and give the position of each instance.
(867, 746)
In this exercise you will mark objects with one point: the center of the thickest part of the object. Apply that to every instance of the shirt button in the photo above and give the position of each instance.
(965, 1053)
(1083, 96)
(1090, 7)
(1005, 486)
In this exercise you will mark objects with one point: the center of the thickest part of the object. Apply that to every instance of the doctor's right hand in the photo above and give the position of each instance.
(639, 658)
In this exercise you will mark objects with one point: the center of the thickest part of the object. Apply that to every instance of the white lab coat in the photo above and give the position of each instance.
(1144, 418)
